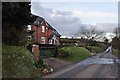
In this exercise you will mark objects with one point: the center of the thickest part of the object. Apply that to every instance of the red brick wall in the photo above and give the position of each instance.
(33, 28)
(38, 33)
(35, 50)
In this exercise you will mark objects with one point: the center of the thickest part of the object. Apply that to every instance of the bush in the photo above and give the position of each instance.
(64, 52)
(29, 47)
(39, 64)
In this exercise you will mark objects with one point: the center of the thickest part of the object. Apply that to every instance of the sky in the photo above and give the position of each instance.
(66, 17)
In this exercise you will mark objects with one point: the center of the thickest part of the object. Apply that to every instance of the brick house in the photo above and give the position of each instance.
(44, 33)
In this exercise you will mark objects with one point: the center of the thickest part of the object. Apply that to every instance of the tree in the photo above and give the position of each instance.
(106, 40)
(116, 39)
(15, 18)
(89, 32)
(117, 31)
(115, 42)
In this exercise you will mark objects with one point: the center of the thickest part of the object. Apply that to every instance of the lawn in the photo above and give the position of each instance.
(17, 62)
(74, 54)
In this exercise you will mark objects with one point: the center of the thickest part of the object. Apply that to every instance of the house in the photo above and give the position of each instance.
(44, 33)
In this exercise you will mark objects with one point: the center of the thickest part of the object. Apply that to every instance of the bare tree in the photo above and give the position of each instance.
(89, 32)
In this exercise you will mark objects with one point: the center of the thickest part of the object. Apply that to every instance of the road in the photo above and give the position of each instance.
(103, 65)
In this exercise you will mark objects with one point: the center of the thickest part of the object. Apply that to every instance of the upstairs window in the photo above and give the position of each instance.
(43, 29)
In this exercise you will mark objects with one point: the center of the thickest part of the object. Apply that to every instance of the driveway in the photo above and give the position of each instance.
(56, 63)
(103, 65)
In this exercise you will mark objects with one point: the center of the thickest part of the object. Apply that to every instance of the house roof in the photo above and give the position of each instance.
(39, 20)
(33, 18)
(49, 26)
(56, 33)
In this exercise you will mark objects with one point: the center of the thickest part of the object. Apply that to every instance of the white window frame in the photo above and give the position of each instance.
(50, 41)
(43, 28)
(42, 40)
(29, 27)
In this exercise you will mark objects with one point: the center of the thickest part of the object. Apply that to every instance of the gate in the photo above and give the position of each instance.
(48, 50)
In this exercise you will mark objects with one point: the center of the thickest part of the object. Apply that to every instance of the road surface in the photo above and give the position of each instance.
(103, 65)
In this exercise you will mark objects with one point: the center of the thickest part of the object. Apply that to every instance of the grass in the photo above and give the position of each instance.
(115, 52)
(17, 63)
(97, 49)
(74, 54)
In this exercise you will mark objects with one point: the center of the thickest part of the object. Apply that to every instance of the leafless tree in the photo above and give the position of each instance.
(89, 32)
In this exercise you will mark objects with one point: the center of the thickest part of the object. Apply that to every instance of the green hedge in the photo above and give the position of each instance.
(73, 53)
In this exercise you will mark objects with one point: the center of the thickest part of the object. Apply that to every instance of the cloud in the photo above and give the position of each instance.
(106, 27)
(63, 21)
(76, 0)
(93, 14)
(68, 22)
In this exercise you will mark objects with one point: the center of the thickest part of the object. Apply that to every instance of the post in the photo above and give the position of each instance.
(35, 50)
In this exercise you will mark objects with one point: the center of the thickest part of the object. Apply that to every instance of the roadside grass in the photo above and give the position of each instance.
(73, 54)
(17, 62)
(115, 52)
(97, 49)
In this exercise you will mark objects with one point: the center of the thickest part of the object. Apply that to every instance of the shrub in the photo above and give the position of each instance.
(65, 52)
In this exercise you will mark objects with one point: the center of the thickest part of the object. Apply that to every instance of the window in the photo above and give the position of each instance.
(50, 41)
(43, 29)
(42, 40)
(29, 27)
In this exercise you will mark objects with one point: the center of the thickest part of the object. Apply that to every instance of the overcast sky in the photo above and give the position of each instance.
(66, 17)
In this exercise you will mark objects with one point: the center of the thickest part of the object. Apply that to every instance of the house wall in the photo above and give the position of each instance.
(34, 36)
(38, 33)
(55, 40)
(58, 40)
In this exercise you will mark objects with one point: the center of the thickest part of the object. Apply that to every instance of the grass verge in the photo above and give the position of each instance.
(96, 49)
(115, 52)
(74, 54)
(18, 63)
